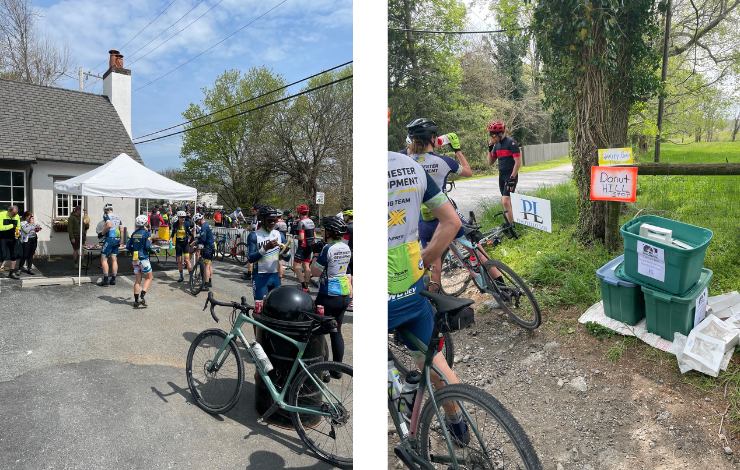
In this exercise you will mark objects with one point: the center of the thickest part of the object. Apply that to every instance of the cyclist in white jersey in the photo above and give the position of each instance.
(409, 186)
(263, 248)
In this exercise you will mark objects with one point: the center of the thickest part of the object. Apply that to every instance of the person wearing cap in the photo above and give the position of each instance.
(112, 235)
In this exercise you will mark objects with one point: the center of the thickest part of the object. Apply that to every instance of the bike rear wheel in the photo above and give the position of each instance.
(401, 354)
(330, 438)
(500, 442)
(454, 277)
(215, 391)
(241, 253)
(218, 255)
(515, 298)
(197, 280)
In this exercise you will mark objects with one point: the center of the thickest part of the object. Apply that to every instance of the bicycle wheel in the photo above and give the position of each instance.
(402, 356)
(330, 438)
(454, 277)
(215, 391)
(501, 443)
(241, 253)
(218, 255)
(197, 280)
(515, 298)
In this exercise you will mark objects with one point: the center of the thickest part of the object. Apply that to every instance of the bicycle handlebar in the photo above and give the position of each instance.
(244, 306)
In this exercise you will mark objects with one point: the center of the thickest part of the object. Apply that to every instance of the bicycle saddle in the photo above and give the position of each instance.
(468, 229)
(445, 303)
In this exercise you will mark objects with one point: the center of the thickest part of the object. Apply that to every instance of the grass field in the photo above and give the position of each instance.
(697, 152)
(525, 169)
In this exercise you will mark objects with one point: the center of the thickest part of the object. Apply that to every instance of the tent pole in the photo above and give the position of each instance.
(79, 261)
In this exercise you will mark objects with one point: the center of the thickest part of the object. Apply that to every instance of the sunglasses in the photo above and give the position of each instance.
(271, 221)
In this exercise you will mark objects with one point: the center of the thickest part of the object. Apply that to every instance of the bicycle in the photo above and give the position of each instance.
(228, 246)
(458, 269)
(425, 439)
(316, 392)
(400, 354)
(198, 277)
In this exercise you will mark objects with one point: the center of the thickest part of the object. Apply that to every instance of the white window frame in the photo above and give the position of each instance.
(70, 202)
(25, 189)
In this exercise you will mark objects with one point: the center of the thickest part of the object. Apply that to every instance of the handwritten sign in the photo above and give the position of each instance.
(615, 156)
(613, 183)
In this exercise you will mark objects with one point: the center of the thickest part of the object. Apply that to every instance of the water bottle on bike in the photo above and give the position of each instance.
(408, 393)
(261, 356)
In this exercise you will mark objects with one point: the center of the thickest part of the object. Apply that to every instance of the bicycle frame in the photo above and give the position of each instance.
(477, 273)
(278, 398)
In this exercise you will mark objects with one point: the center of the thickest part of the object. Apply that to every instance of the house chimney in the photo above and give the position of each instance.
(117, 87)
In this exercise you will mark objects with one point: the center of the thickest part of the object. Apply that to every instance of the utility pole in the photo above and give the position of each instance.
(82, 78)
(661, 100)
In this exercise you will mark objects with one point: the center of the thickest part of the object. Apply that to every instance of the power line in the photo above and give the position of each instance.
(250, 110)
(145, 27)
(183, 29)
(246, 101)
(224, 39)
(457, 32)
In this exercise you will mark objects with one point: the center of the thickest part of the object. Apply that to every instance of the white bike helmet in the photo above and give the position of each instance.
(141, 220)
(197, 217)
(174, 219)
(181, 213)
(108, 207)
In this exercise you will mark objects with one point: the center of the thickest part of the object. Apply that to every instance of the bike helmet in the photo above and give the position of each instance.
(302, 209)
(496, 128)
(197, 217)
(287, 303)
(347, 211)
(421, 127)
(181, 214)
(141, 220)
(267, 211)
(108, 207)
(279, 213)
(174, 219)
(287, 212)
(408, 140)
(238, 209)
(333, 224)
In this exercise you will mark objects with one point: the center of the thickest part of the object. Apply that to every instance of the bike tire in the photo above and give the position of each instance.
(218, 255)
(205, 386)
(516, 299)
(494, 449)
(454, 278)
(401, 355)
(197, 280)
(242, 253)
(322, 437)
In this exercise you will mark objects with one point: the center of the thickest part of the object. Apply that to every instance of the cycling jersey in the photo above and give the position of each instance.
(255, 224)
(307, 227)
(334, 260)
(115, 225)
(505, 152)
(348, 236)
(281, 226)
(155, 220)
(438, 167)
(408, 187)
(264, 261)
(236, 214)
(206, 237)
(140, 244)
(181, 233)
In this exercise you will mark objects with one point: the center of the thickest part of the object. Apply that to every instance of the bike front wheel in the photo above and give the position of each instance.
(454, 278)
(514, 296)
(241, 253)
(218, 255)
(215, 389)
(325, 387)
(401, 355)
(488, 436)
(197, 280)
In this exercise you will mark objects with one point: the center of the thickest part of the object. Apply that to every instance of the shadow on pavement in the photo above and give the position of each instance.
(264, 459)
(115, 300)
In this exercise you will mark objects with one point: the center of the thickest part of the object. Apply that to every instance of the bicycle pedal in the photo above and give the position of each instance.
(405, 457)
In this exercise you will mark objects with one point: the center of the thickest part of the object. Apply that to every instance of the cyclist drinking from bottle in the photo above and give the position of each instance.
(506, 151)
(409, 186)
(208, 242)
(182, 232)
(263, 250)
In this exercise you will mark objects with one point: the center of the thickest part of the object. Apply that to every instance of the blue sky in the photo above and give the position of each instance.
(297, 39)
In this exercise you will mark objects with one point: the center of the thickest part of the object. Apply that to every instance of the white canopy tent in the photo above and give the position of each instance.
(124, 177)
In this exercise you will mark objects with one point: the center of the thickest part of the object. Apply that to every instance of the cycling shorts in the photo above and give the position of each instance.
(110, 247)
(427, 229)
(142, 266)
(303, 254)
(182, 248)
(207, 253)
(413, 312)
(503, 178)
(262, 283)
(334, 305)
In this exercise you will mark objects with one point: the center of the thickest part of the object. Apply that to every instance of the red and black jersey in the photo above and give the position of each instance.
(505, 151)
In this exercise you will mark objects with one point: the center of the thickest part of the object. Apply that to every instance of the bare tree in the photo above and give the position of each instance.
(26, 54)
(735, 125)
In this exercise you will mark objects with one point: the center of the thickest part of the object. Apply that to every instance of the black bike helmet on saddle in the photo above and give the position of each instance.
(422, 127)
(334, 224)
(267, 211)
(287, 303)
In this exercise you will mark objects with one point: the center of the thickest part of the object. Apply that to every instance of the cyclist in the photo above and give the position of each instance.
(217, 218)
(182, 232)
(305, 229)
(409, 186)
(263, 250)
(140, 245)
(506, 151)
(207, 241)
(335, 290)
(155, 219)
(237, 215)
(254, 225)
(347, 216)
(228, 221)
(281, 227)
(112, 234)
(167, 216)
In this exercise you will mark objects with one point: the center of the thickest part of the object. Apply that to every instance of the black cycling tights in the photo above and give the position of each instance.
(335, 306)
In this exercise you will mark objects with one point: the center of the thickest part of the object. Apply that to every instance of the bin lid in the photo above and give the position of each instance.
(607, 273)
(287, 303)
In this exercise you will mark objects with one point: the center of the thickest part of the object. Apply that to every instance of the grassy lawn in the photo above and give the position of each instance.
(525, 169)
(697, 152)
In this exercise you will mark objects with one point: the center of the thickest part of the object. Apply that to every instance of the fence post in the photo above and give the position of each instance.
(614, 209)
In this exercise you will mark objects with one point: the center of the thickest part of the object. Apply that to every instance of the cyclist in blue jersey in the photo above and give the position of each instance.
(263, 251)
(140, 245)
(112, 235)
(208, 242)
(181, 232)
(409, 186)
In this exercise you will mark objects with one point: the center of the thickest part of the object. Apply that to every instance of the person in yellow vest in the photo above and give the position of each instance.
(10, 226)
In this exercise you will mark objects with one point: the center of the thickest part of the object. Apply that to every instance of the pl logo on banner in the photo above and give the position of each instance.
(532, 212)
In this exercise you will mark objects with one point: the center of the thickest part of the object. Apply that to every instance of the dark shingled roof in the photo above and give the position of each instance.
(46, 123)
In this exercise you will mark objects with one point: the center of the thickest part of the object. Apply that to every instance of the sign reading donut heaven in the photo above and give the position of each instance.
(613, 183)
(615, 156)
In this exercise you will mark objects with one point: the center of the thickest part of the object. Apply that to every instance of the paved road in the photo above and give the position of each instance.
(88, 382)
(474, 195)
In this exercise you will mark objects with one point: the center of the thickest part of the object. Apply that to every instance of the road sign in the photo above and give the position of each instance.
(319, 198)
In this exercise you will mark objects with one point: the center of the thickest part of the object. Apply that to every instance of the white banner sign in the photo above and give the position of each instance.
(531, 211)
(319, 198)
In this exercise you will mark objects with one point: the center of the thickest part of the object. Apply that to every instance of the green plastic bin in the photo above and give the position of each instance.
(666, 314)
(623, 300)
(683, 266)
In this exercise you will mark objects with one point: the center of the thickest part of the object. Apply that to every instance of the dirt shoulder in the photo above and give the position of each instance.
(583, 411)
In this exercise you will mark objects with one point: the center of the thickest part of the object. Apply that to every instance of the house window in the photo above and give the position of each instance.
(64, 202)
(13, 189)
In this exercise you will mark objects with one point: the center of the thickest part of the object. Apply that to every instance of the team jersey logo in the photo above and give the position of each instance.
(420, 159)
(397, 218)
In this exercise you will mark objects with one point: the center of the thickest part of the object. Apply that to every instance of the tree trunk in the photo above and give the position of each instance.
(619, 115)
